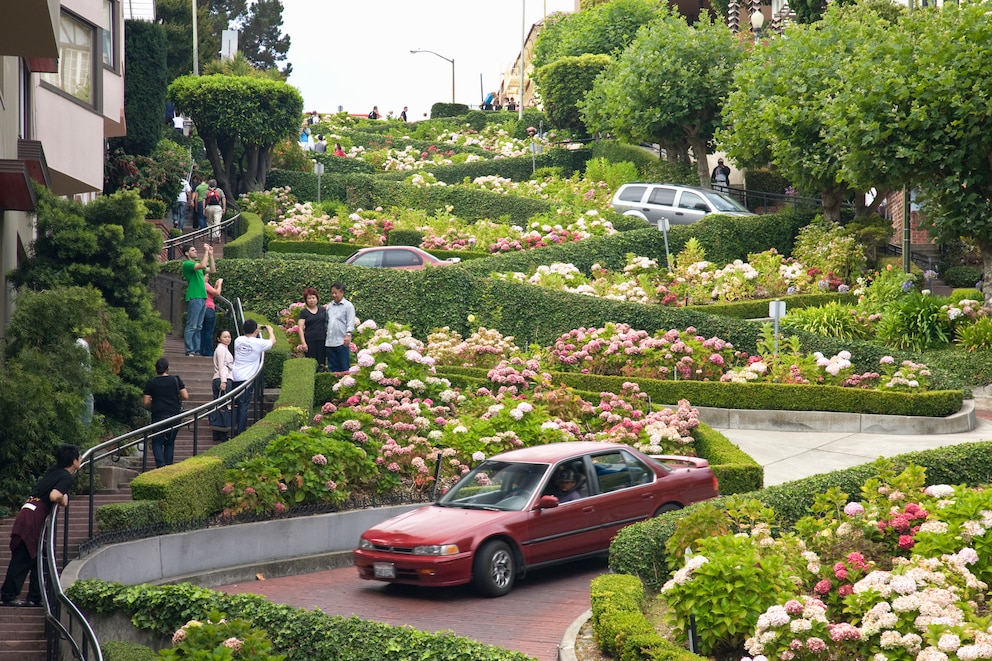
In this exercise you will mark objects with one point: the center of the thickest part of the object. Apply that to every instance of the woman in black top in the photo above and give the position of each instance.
(313, 328)
(164, 395)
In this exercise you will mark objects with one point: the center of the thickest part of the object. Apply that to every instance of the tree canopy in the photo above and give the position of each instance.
(240, 119)
(667, 87)
(564, 83)
(913, 108)
(776, 111)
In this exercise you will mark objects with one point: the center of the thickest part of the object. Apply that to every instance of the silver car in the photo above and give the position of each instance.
(681, 205)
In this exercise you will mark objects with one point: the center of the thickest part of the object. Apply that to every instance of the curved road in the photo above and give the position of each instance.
(531, 619)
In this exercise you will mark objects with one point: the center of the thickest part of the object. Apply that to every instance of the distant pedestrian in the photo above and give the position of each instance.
(248, 350)
(164, 395)
(321, 145)
(201, 193)
(53, 487)
(214, 207)
(181, 205)
(196, 296)
(721, 176)
(374, 114)
(338, 151)
(340, 324)
(403, 114)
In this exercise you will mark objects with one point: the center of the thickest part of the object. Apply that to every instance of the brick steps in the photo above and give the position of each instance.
(22, 634)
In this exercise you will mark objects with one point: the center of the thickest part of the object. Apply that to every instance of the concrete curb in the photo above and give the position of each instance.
(964, 420)
(566, 648)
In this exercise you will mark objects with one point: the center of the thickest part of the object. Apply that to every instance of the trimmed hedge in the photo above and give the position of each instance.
(517, 168)
(191, 489)
(249, 244)
(119, 650)
(620, 627)
(639, 549)
(300, 634)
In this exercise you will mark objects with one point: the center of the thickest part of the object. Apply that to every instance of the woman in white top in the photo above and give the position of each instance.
(223, 364)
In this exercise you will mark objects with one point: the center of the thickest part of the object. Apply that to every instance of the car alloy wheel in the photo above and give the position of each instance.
(493, 569)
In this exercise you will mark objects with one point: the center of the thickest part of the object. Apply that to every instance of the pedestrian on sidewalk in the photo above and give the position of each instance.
(200, 192)
(52, 488)
(214, 207)
(340, 324)
(210, 312)
(313, 328)
(164, 395)
(248, 350)
(196, 296)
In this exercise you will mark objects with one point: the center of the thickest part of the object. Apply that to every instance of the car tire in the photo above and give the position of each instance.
(494, 569)
(667, 507)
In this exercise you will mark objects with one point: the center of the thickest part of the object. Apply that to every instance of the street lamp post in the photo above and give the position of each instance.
(449, 59)
(757, 20)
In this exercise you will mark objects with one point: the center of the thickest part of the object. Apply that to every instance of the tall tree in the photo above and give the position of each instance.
(144, 87)
(261, 39)
(240, 119)
(564, 83)
(775, 113)
(912, 109)
(668, 86)
(176, 17)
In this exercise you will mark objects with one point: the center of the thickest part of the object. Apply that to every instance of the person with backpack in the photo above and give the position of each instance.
(214, 206)
(164, 395)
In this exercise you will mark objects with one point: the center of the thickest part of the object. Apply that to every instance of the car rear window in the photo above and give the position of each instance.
(632, 193)
(663, 196)
(396, 258)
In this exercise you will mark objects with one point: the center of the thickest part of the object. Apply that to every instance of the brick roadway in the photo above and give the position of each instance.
(531, 619)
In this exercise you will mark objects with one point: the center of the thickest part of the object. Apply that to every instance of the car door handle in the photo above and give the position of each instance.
(647, 496)
(588, 509)
(678, 213)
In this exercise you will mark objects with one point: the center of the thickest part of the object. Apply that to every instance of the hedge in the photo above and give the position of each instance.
(300, 634)
(517, 168)
(639, 549)
(620, 627)
(191, 489)
(249, 244)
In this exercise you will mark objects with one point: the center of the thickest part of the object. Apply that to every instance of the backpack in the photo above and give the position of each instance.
(213, 198)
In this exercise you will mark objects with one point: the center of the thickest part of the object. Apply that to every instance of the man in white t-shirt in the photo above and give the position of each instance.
(248, 350)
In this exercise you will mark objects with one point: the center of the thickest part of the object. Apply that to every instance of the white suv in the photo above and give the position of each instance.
(681, 205)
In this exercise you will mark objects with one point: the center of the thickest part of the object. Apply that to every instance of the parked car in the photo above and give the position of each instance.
(397, 257)
(681, 205)
(504, 517)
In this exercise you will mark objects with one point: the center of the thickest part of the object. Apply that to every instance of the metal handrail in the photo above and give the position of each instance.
(205, 233)
(57, 605)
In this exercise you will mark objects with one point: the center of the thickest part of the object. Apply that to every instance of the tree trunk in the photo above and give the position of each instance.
(831, 205)
(985, 249)
(698, 145)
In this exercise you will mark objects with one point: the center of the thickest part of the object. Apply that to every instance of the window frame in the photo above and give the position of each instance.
(95, 64)
(114, 36)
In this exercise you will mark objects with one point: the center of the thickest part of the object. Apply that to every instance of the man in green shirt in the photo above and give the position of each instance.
(201, 194)
(196, 296)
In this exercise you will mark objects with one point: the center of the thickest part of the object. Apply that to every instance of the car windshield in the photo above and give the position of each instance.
(496, 485)
(722, 202)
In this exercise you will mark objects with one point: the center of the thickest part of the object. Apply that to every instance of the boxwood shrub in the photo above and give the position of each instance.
(639, 549)
(301, 635)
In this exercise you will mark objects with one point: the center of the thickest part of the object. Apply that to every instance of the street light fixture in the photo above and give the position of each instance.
(757, 20)
(449, 59)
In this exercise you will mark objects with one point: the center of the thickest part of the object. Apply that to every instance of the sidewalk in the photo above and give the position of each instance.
(790, 456)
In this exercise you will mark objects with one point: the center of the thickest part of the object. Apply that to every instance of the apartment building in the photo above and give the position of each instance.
(61, 97)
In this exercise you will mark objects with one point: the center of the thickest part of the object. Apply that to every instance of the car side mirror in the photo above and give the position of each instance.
(547, 502)
(701, 206)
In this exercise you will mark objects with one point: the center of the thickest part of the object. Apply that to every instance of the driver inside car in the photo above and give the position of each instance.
(566, 485)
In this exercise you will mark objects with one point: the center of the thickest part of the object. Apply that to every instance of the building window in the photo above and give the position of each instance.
(109, 34)
(77, 43)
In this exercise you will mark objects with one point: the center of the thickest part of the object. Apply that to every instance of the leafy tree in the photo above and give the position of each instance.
(144, 87)
(912, 108)
(239, 65)
(667, 87)
(240, 119)
(176, 18)
(566, 81)
(775, 113)
(601, 30)
(261, 39)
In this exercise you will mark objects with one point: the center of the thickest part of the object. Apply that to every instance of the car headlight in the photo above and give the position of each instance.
(364, 544)
(436, 549)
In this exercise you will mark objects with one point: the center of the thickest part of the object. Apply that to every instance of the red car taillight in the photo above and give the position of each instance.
(716, 485)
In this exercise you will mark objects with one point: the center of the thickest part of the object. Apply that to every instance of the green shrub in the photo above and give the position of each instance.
(614, 174)
(832, 319)
(531, 119)
(976, 336)
(154, 209)
(250, 244)
(968, 293)
(961, 276)
(299, 634)
(915, 322)
(618, 152)
(404, 238)
(639, 549)
(518, 168)
(476, 120)
(119, 650)
(766, 180)
(132, 515)
(441, 109)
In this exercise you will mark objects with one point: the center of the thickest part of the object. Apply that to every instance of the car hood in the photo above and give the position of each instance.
(436, 525)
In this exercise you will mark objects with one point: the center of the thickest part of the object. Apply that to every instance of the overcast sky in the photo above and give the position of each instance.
(357, 54)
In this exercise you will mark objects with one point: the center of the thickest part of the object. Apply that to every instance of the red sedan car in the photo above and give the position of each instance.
(397, 257)
(518, 510)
